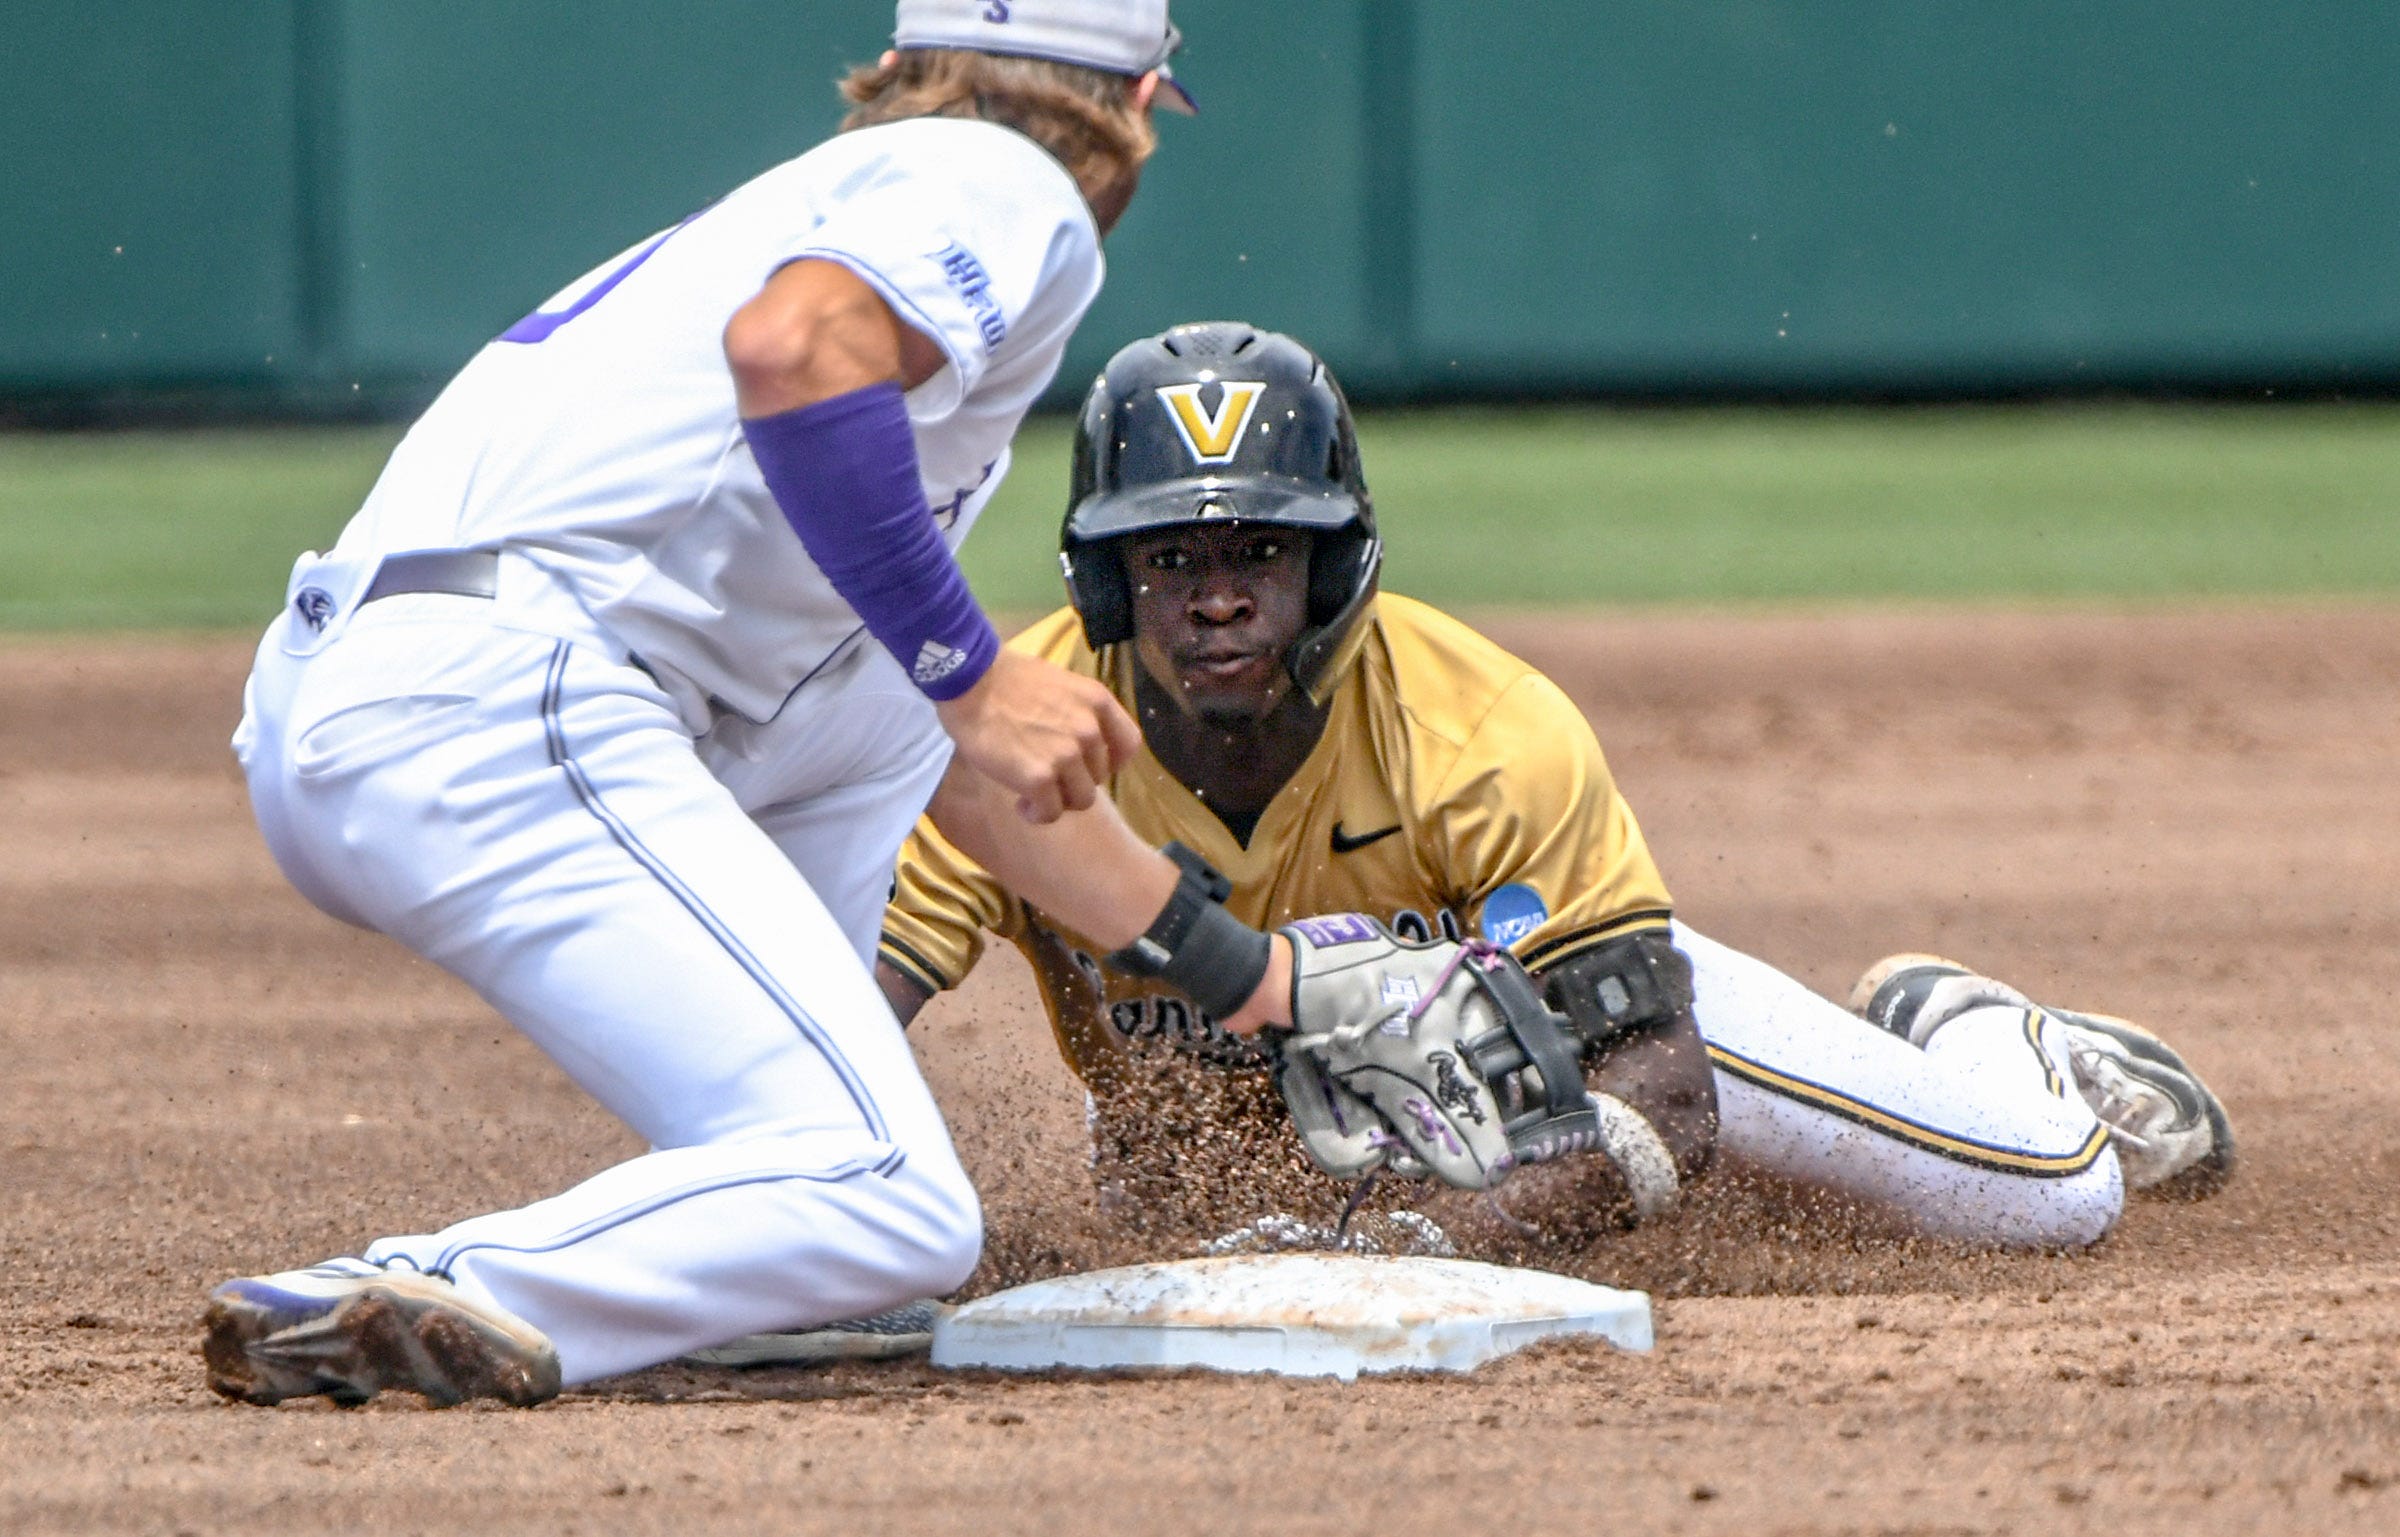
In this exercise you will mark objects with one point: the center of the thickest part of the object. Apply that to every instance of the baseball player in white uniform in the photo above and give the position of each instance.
(618, 696)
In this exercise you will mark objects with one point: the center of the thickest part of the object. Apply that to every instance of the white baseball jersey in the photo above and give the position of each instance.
(599, 437)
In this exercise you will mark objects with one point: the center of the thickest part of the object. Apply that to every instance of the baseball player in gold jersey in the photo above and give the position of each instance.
(1450, 785)
(1326, 747)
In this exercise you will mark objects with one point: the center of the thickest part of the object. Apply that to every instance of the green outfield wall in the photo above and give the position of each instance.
(296, 203)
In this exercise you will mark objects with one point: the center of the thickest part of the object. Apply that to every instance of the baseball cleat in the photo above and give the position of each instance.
(348, 1330)
(906, 1330)
(2172, 1135)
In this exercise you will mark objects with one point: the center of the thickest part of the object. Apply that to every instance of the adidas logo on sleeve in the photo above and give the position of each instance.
(935, 662)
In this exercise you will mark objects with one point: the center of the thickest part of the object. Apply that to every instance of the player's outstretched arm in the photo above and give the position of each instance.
(1092, 873)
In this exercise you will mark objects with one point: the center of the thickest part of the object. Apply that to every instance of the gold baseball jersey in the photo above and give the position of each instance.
(1455, 791)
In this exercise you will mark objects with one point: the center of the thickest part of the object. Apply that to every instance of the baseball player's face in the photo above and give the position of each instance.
(1215, 607)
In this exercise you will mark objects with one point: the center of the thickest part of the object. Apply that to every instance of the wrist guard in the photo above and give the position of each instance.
(1212, 957)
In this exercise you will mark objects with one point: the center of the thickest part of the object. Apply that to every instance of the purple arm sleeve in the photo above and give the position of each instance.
(844, 472)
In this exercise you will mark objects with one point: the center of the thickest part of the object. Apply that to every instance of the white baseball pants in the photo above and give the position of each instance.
(683, 926)
(1980, 1137)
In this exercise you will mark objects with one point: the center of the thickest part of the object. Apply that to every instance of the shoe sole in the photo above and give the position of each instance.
(1863, 994)
(2207, 1176)
(814, 1347)
(811, 1349)
(264, 1345)
(1867, 1000)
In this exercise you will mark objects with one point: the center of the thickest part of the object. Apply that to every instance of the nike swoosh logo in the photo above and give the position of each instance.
(1342, 845)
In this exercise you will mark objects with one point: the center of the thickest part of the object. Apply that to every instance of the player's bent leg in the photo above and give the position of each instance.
(2173, 1135)
(561, 848)
(839, 796)
(685, 1248)
(1814, 1094)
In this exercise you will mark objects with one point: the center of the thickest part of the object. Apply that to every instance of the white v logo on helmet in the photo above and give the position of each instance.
(1212, 437)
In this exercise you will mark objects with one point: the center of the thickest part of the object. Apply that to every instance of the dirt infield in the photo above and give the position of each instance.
(2190, 818)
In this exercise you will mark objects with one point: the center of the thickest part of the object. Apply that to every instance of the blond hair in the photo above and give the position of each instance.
(1087, 118)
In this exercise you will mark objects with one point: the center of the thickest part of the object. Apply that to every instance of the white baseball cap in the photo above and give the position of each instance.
(1123, 37)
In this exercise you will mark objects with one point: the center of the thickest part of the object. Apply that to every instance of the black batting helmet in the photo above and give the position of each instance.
(1220, 420)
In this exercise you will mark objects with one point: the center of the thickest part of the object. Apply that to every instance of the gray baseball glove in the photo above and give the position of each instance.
(1435, 1058)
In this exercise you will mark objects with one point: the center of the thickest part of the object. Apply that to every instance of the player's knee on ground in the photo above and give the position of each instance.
(917, 1228)
(950, 1234)
(2020, 1213)
(2092, 1214)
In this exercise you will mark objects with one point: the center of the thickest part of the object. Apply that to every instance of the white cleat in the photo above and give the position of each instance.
(2172, 1135)
(348, 1330)
(906, 1330)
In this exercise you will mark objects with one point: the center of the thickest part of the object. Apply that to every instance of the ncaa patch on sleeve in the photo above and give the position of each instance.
(1512, 912)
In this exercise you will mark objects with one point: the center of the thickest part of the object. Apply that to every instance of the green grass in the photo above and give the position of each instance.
(1927, 505)
(170, 530)
(1547, 506)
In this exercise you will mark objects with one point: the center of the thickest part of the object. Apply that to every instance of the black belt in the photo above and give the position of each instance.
(460, 573)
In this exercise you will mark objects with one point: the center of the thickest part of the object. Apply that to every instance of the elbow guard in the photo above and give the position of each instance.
(1637, 988)
(1620, 987)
